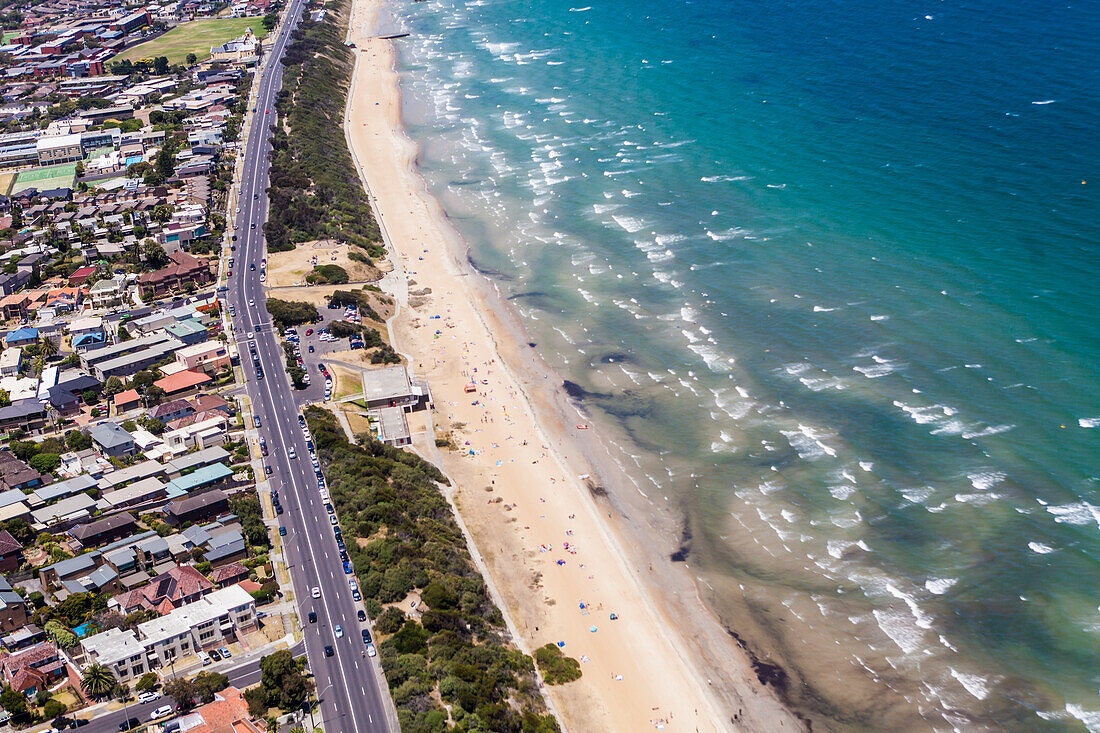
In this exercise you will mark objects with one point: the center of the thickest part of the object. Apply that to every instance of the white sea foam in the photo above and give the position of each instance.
(823, 309)
(985, 480)
(918, 495)
(880, 318)
(974, 684)
(1045, 101)
(901, 629)
(1089, 422)
(1078, 513)
(723, 179)
(604, 208)
(923, 619)
(939, 586)
(726, 235)
(1040, 548)
(629, 224)
(807, 442)
(880, 368)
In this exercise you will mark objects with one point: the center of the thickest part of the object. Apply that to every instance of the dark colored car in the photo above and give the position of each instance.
(313, 617)
(282, 531)
(129, 724)
(328, 653)
(252, 266)
(267, 470)
(366, 635)
(362, 617)
(215, 655)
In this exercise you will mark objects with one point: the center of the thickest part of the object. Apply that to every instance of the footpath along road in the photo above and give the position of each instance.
(349, 684)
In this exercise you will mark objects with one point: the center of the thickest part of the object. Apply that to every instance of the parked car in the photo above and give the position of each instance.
(161, 712)
(362, 616)
(129, 724)
(215, 655)
(282, 531)
(225, 652)
(371, 652)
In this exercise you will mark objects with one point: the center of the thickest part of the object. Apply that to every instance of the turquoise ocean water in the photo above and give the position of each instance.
(828, 273)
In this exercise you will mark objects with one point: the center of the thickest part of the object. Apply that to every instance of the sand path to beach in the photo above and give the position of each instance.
(550, 552)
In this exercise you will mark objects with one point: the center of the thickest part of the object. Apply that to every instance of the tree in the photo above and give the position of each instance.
(5, 398)
(390, 621)
(90, 397)
(153, 254)
(113, 385)
(97, 681)
(160, 65)
(182, 691)
(47, 347)
(53, 708)
(13, 702)
(154, 395)
(143, 379)
(147, 682)
(79, 170)
(208, 683)
(123, 334)
(45, 462)
(61, 636)
(20, 530)
(76, 440)
(192, 59)
(162, 212)
(121, 691)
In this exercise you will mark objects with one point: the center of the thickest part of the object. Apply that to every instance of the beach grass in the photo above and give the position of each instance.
(196, 36)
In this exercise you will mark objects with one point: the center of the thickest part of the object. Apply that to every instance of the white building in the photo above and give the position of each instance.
(187, 630)
(205, 434)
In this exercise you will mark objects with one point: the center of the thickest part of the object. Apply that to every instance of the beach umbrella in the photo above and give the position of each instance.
(593, 629)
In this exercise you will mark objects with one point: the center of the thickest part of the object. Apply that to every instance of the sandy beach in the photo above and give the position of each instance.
(556, 554)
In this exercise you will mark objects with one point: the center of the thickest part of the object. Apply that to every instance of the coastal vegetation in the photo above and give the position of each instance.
(328, 275)
(359, 299)
(315, 191)
(291, 312)
(402, 538)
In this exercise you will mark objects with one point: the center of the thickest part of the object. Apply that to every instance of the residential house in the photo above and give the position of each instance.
(135, 494)
(64, 489)
(108, 292)
(196, 508)
(230, 574)
(166, 412)
(13, 609)
(128, 399)
(204, 477)
(34, 669)
(128, 357)
(182, 383)
(105, 530)
(210, 432)
(64, 513)
(209, 357)
(26, 414)
(191, 461)
(183, 269)
(11, 552)
(11, 362)
(16, 474)
(21, 337)
(112, 440)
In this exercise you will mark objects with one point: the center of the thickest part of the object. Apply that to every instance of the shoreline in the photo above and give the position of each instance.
(656, 661)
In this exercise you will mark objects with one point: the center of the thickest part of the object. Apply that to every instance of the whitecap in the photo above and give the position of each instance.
(1077, 513)
(939, 586)
(974, 684)
(986, 480)
(629, 223)
(1045, 101)
(901, 630)
(879, 318)
(1040, 548)
(823, 309)
(1089, 422)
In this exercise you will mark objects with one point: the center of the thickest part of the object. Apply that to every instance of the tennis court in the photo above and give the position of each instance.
(54, 176)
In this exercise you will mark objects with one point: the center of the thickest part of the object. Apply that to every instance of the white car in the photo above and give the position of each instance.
(252, 302)
(371, 652)
(316, 592)
(148, 696)
(292, 454)
(161, 712)
(339, 631)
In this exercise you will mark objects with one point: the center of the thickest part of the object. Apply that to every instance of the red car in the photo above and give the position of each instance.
(309, 332)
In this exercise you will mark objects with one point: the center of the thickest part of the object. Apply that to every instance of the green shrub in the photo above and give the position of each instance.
(556, 668)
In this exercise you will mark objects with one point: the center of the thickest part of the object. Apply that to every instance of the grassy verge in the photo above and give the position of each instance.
(457, 650)
(194, 37)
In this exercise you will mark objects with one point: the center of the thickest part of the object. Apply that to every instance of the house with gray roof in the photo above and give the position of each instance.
(112, 440)
(136, 472)
(140, 492)
(68, 511)
(62, 489)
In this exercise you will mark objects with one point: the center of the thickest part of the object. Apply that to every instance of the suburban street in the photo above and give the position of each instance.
(349, 684)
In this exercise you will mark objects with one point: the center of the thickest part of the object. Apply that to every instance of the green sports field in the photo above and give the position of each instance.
(194, 37)
(54, 176)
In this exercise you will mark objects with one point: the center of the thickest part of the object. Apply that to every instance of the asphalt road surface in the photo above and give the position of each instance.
(349, 684)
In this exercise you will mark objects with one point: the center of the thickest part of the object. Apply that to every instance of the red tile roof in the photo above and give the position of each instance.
(227, 714)
(226, 572)
(182, 380)
(126, 397)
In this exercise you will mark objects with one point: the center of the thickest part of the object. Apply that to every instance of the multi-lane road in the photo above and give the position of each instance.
(349, 683)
